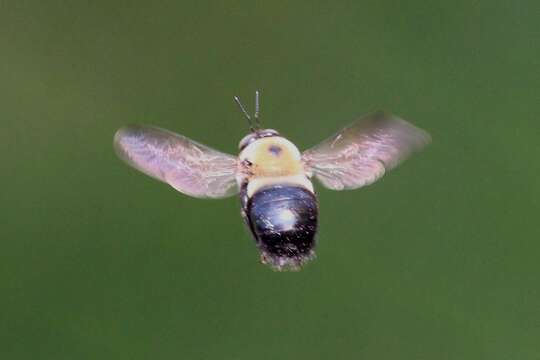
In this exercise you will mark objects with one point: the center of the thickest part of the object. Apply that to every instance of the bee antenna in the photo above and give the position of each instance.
(257, 109)
(237, 99)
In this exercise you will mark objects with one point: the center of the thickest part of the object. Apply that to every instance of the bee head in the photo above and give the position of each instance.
(255, 135)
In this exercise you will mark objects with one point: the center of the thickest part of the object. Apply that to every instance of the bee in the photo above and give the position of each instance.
(270, 174)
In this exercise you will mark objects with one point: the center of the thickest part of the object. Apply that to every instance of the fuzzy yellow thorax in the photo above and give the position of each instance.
(273, 156)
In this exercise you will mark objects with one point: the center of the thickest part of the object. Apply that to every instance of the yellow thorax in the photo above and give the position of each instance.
(274, 156)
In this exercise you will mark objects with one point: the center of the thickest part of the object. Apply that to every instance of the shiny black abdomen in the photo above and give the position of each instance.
(283, 220)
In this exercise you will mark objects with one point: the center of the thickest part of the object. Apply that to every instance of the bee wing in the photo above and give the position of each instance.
(189, 167)
(361, 153)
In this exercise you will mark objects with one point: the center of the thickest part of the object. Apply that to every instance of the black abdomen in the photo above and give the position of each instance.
(283, 220)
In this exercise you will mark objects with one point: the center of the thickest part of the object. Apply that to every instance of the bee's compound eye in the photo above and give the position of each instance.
(267, 133)
(246, 140)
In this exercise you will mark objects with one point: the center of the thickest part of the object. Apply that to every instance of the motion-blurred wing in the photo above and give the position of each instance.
(361, 153)
(189, 167)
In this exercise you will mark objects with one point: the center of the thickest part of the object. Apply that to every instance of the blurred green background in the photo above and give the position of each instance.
(438, 260)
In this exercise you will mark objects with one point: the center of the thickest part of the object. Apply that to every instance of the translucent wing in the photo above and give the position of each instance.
(189, 167)
(361, 153)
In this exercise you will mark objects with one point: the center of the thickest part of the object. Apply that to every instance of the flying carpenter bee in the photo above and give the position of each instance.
(272, 177)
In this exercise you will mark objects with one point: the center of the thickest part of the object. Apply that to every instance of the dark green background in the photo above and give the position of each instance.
(438, 260)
